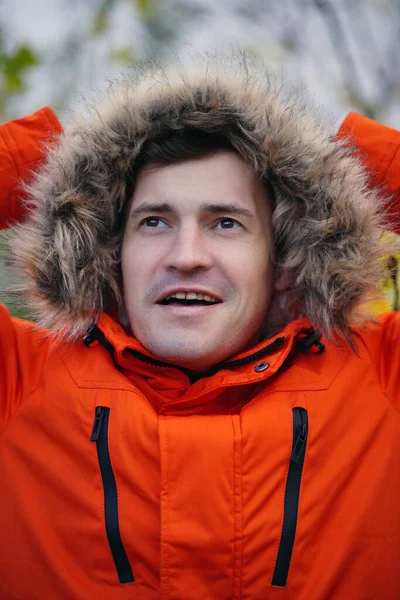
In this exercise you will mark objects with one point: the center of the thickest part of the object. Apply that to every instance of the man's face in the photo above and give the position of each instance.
(196, 260)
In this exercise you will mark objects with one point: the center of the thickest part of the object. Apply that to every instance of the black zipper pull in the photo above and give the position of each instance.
(98, 422)
(299, 445)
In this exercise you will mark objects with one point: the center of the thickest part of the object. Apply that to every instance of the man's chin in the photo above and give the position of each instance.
(185, 356)
(199, 364)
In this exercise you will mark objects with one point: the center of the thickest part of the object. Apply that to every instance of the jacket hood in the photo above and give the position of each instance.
(325, 220)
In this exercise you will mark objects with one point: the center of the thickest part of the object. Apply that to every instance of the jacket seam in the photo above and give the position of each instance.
(14, 153)
(10, 151)
(338, 372)
(391, 161)
(237, 509)
(24, 398)
(374, 368)
(99, 384)
(52, 119)
(165, 549)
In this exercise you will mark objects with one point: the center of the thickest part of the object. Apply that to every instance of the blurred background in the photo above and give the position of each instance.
(345, 52)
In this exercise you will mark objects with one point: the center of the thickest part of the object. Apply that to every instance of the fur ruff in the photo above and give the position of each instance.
(325, 222)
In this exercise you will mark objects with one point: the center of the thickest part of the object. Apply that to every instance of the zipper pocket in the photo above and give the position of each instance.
(100, 436)
(292, 495)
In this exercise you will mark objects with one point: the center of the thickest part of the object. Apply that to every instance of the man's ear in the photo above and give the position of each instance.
(123, 318)
(282, 281)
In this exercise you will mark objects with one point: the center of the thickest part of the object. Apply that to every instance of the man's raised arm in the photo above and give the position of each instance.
(21, 150)
(380, 151)
(23, 350)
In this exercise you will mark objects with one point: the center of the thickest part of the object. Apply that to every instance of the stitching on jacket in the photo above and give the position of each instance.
(235, 532)
(165, 549)
(52, 120)
(116, 386)
(275, 387)
(11, 152)
(391, 161)
(23, 397)
(237, 510)
(375, 371)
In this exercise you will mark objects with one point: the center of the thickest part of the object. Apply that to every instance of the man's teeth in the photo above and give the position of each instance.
(191, 296)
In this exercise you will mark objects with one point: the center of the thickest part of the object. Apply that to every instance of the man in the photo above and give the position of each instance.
(186, 433)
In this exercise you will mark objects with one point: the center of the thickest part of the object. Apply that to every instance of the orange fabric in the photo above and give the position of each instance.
(21, 150)
(200, 470)
(380, 150)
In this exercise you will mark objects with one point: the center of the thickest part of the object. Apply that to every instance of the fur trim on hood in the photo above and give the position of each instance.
(325, 222)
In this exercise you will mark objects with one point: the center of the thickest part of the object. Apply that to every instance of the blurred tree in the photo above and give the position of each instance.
(14, 66)
(346, 51)
(385, 72)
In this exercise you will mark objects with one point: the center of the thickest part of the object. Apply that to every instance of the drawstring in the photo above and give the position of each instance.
(95, 336)
(311, 337)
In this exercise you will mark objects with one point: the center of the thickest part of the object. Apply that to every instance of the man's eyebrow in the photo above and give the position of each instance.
(227, 208)
(163, 207)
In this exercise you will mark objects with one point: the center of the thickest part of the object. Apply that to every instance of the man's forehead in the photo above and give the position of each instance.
(206, 184)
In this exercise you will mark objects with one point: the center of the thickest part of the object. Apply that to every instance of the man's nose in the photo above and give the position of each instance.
(190, 251)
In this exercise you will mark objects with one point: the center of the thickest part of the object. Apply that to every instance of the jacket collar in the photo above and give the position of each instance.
(250, 367)
(125, 345)
(120, 362)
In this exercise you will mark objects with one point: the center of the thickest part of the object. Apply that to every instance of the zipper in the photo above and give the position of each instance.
(100, 436)
(292, 495)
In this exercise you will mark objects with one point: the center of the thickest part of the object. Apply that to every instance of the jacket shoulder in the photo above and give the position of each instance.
(381, 341)
(24, 349)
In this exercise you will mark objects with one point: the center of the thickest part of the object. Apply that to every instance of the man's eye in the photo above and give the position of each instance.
(228, 224)
(152, 222)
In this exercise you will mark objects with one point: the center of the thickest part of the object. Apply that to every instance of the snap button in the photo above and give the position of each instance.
(261, 367)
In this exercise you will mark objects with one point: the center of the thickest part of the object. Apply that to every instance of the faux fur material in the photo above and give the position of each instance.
(325, 221)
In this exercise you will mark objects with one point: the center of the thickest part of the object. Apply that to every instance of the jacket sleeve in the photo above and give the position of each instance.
(379, 148)
(21, 150)
(23, 347)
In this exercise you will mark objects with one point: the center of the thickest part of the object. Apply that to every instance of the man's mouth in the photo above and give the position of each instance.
(189, 299)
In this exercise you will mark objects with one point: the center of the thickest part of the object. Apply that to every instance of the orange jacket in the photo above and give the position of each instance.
(276, 477)
(379, 148)
(22, 144)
